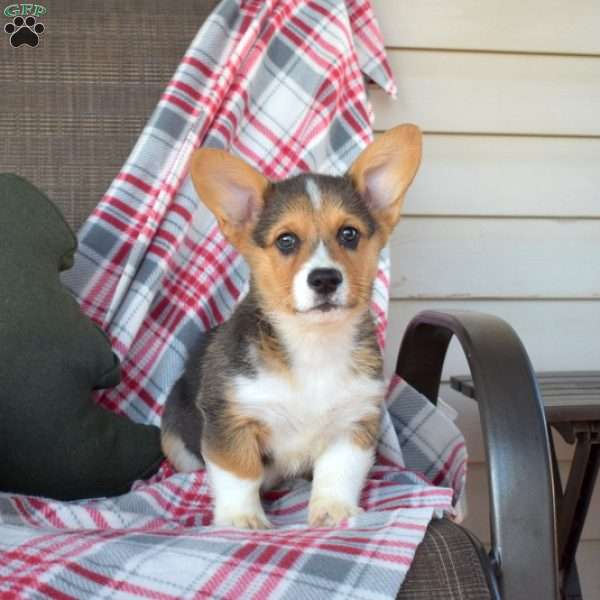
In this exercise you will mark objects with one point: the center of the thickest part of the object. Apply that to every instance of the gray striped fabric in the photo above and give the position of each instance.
(73, 107)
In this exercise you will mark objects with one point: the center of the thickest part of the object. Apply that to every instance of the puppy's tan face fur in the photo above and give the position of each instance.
(312, 241)
(314, 224)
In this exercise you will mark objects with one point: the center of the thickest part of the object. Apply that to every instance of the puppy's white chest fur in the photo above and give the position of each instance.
(316, 401)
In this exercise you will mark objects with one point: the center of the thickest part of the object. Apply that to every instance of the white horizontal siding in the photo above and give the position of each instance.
(497, 93)
(478, 514)
(587, 564)
(507, 25)
(507, 176)
(504, 216)
(558, 335)
(444, 257)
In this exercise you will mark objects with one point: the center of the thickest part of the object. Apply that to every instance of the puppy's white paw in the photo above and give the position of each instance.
(236, 500)
(249, 520)
(330, 512)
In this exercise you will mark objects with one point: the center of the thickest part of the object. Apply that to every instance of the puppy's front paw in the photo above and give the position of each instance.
(249, 520)
(329, 512)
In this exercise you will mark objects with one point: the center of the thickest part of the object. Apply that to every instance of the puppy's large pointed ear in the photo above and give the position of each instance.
(385, 169)
(230, 188)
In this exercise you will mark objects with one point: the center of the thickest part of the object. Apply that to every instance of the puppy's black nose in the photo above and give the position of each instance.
(324, 281)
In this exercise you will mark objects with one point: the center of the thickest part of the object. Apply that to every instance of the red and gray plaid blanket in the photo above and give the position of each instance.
(282, 84)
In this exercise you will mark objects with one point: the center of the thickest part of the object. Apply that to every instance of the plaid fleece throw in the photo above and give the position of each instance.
(282, 84)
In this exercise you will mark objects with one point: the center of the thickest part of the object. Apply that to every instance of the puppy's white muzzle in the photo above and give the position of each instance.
(331, 292)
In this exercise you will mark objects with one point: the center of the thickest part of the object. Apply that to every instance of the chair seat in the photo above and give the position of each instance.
(449, 564)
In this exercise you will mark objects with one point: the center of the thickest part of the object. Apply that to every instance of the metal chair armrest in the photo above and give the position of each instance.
(522, 511)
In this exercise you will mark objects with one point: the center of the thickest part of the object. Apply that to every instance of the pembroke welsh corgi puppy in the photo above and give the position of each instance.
(292, 384)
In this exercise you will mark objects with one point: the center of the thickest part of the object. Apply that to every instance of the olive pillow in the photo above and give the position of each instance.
(54, 440)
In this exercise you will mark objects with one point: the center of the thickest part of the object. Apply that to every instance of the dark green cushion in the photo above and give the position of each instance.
(54, 440)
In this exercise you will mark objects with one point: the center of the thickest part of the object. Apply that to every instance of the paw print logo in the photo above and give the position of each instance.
(24, 31)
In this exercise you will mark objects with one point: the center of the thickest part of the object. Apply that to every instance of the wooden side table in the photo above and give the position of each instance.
(572, 406)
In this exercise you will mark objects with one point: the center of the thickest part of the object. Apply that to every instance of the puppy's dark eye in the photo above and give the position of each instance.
(287, 243)
(348, 237)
